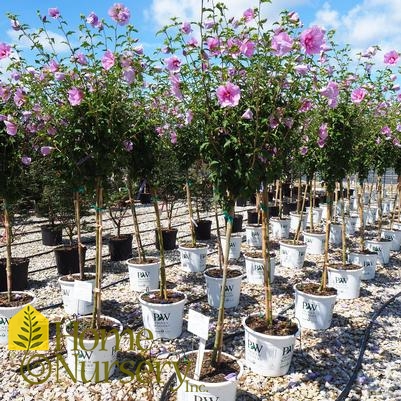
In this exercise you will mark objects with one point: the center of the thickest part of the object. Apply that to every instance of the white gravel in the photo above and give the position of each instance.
(323, 361)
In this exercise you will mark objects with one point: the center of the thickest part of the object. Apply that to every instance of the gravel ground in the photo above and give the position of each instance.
(323, 361)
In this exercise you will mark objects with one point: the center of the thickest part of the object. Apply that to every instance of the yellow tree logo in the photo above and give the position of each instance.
(28, 330)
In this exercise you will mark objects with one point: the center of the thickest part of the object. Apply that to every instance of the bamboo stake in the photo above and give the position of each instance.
(7, 228)
(98, 256)
(266, 258)
(218, 343)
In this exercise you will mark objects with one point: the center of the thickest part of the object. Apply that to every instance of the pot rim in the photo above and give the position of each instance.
(88, 341)
(267, 336)
(19, 292)
(313, 295)
(226, 382)
(142, 301)
(228, 278)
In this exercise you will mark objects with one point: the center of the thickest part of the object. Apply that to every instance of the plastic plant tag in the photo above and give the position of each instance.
(198, 324)
(83, 290)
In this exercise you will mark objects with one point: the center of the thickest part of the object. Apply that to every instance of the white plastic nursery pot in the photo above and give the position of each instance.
(335, 237)
(368, 261)
(394, 236)
(381, 247)
(292, 255)
(315, 242)
(164, 320)
(323, 206)
(387, 206)
(371, 215)
(193, 260)
(358, 220)
(254, 267)
(316, 215)
(92, 359)
(7, 312)
(254, 235)
(143, 276)
(198, 390)
(350, 224)
(72, 304)
(268, 355)
(346, 281)
(235, 245)
(294, 221)
(314, 311)
(280, 228)
(232, 290)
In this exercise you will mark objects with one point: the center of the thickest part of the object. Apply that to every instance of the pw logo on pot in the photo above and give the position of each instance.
(28, 330)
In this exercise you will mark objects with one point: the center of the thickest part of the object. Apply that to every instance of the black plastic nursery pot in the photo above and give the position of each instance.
(52, 235)
(289, 207)
(19, 268)
(203, 229)
(169, 239)
(120, 248)
(67, 259)
(273, 211)
(145, 198)
(241, 202)
(237, 223)
(254, 217)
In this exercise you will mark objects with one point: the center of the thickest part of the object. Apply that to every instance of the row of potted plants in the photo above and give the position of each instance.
(253, 104)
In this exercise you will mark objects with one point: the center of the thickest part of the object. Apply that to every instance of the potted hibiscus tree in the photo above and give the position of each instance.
(90, 92)
(19, 137)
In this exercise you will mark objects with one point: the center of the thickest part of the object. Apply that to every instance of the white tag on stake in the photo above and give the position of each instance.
(198, 324)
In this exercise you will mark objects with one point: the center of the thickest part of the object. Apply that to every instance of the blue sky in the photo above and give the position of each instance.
(361, 23)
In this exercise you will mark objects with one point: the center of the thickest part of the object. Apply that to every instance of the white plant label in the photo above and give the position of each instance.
(198, 324)
(83, 290)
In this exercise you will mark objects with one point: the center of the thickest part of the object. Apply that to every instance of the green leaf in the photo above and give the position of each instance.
(20, 344)
(24, 330)
(36, 330)
(36, 337)
(22, 337)
(36, 344)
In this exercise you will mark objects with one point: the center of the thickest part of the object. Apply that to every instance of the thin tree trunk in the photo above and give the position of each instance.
(379, 207)
(301, 214)
(219, 247)
(361, 220)
(163, 279)
(137, 233)
(323, 284)
(278, 185)
(299, 194)
(190, 212)
(77, 208)
(343, 234)
(218, 342)
(266, 258)
(7, 228)
(97, 311)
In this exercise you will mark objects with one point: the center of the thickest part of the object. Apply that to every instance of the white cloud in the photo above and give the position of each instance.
(367, 23)
(328, 17)
(161, 11)
(57, 41)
